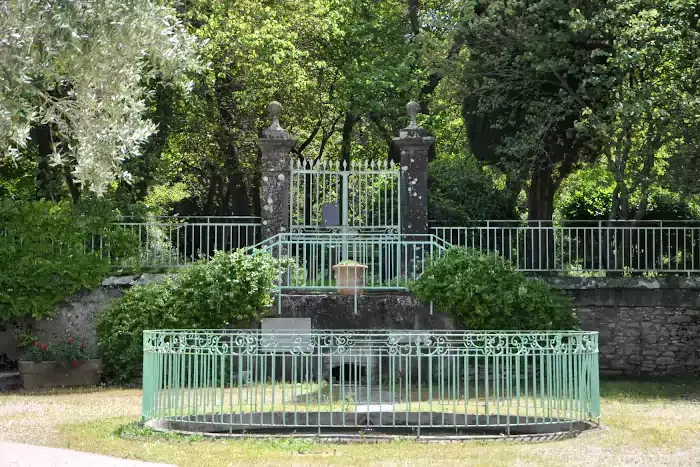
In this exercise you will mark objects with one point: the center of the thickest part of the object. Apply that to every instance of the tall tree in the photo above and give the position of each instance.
(650, 72)
(77, 71)
(343, 79)
(523, 94)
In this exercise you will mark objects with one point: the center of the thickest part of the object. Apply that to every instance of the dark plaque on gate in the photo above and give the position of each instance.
(331, 215)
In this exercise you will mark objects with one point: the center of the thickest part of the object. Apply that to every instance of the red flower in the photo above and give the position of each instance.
(36, 343)
(43, 346)
(83, 346)
(71, 340)
(74, 363)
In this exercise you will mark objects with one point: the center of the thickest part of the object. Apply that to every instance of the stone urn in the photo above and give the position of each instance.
(349, 277)
(35, 375)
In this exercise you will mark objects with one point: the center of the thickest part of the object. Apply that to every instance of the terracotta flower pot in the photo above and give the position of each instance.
(53, 374)
(349, 278)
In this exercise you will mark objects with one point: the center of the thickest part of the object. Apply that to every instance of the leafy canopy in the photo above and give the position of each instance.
(82, 66)
(647, 117)
(523, 95)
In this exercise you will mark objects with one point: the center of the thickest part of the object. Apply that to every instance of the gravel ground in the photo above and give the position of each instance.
(26, 455)
(646, 430)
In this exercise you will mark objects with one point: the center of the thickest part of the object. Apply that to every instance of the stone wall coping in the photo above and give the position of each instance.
(134, 279)
(566, 283)
(644, 283)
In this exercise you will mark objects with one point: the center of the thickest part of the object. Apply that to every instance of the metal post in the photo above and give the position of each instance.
(600, 247)
(345, 179)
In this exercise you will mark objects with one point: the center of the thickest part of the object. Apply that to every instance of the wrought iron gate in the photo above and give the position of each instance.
(332, 197)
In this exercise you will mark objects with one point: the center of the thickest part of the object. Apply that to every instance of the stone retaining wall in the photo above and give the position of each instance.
(647, 326)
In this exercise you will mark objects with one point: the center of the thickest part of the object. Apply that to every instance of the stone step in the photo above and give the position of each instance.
(9, 380)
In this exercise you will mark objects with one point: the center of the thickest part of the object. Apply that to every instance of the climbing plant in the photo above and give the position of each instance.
(52, 250)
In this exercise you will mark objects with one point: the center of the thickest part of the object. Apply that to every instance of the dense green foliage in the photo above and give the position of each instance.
(588, 195)
(646, 118)
(460, 192)
(231, 290)
(50, 251)
(523, 94)
(526, 99)
(483, 291)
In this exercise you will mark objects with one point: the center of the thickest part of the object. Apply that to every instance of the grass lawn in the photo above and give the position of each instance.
(644, 423)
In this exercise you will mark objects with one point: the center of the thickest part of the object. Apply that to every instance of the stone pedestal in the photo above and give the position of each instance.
(275, 146)
(414, 144)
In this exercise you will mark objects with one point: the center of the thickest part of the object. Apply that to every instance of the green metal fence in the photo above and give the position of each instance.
(388, 262)
(333, 380)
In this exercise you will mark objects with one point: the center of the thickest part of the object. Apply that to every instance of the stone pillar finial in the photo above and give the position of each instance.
(275, 130)
(413, 130)
(413, 109)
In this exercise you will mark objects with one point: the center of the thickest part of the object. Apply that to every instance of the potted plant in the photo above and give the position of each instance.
(349, 277)
(67, 363)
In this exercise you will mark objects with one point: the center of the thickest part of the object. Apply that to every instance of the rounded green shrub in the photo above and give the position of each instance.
(461, 192)
(120, 329)
(231, 290)
(483, 291)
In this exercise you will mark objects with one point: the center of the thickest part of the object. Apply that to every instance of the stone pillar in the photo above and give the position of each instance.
(275, 145)
(414, 144)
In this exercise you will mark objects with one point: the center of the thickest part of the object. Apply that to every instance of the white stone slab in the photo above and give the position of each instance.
(285, 339)
(285, 324)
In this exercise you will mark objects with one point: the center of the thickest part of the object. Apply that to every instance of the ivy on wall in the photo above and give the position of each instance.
(52, 250)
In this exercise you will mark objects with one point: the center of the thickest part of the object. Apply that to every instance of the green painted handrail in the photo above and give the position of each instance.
(384, 261)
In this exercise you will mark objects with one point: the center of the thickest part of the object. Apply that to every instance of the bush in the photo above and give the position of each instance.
(485, 292)
(461, 192)
(587, 195)
(52, 250)
(231, 290)
(120, 328)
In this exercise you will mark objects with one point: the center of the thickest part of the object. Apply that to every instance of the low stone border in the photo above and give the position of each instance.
(366, 436)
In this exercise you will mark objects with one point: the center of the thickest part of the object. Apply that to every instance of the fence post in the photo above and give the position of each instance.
(275, 145)
(600, 248)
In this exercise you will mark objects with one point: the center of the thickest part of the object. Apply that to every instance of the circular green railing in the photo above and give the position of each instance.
(333, 381)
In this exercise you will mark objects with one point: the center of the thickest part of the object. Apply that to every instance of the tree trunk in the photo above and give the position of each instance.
(539, 248)
(236, 192)
(512, 189)
(208, 209)
(72, 186)
(540, 195)
(345, 145)
(345, 148)
(48, 180)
